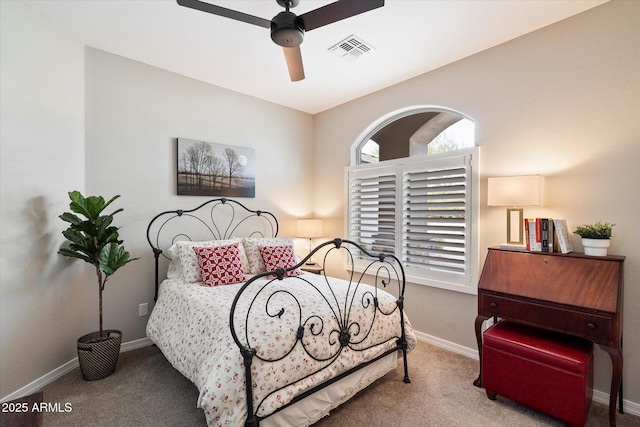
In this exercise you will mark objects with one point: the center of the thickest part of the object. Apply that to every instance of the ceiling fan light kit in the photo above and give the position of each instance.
(287, 29)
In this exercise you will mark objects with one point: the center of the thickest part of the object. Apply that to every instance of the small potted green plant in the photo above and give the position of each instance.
(595, 237)
(93, 238)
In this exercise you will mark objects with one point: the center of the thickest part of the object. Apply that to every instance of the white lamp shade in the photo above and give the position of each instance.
(309, 228)
(515, 191)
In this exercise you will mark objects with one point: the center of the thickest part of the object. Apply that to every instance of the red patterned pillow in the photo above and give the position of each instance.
(220, 265)
(279, 257)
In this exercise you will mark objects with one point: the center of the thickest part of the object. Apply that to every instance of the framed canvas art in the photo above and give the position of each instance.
(209, 169)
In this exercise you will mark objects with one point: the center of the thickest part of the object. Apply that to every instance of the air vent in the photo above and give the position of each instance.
(351, 48)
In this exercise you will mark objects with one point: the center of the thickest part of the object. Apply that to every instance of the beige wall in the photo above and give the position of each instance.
(134, 113)
(563, 102)
(42, 298)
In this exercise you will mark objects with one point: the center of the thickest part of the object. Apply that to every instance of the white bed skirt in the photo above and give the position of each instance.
(316, 406)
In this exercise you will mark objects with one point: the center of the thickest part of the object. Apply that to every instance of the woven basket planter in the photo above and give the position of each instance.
(98, 357)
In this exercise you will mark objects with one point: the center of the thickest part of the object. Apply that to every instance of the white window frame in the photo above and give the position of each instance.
(466, 280)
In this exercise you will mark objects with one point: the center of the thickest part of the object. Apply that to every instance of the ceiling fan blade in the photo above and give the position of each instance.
(293, 56)
(227, 13)
(337, 11)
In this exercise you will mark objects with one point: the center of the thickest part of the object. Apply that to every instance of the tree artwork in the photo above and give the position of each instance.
(210, 169)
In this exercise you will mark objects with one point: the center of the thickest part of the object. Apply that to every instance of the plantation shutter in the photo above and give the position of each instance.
(372, 208)
(421, 209)
(436, 197)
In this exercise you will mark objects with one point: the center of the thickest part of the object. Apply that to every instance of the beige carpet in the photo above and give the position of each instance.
(146, 391)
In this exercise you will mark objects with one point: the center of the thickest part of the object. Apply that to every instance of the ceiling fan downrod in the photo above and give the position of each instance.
(288, 3)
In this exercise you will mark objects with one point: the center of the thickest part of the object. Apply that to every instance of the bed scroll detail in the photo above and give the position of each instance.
(351, 328)
(215, 219)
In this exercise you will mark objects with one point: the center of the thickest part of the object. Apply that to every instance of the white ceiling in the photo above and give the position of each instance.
(410, 37)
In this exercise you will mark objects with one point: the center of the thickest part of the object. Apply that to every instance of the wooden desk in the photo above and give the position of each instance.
(570, 293)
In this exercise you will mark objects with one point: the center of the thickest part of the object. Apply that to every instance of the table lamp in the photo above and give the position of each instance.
(309, 229)
(515, 192)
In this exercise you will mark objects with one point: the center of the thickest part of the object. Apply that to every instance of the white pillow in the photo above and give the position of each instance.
(251, 248)
(189, 260)
(175, 268)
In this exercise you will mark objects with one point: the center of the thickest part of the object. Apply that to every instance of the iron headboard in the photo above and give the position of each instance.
(215, 219)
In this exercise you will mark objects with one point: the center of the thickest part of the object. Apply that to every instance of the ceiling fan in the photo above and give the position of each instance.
(287, 29)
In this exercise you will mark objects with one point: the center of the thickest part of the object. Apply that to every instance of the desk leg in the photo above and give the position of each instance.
(479, 321)
(616, 378)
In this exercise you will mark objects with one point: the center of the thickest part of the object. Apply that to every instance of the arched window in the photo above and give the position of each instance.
(426, 131)
(413, 191)
(459, 135)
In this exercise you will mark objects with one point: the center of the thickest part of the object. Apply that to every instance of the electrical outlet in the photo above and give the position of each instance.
(143, 309)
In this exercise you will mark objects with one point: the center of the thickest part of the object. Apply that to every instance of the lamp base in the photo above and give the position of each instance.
(515, 226)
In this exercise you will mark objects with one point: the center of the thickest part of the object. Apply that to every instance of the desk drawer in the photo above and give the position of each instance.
(588, 325)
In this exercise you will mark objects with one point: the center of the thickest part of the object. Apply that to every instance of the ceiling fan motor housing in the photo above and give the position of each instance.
(287, 30)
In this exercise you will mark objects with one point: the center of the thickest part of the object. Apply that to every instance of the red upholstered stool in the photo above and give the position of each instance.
(544, 370)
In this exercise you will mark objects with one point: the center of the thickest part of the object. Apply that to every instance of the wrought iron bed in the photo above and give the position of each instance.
(279, 297)
(224, 219)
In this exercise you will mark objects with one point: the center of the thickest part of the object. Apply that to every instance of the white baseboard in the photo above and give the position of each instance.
(50, 377)
(38, 384)
(132, 345)
(447, 345)
(630, 407)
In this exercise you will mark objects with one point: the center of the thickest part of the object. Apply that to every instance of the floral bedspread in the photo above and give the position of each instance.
(190, 324)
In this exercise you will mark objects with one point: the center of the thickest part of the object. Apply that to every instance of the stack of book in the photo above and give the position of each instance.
(539, 235)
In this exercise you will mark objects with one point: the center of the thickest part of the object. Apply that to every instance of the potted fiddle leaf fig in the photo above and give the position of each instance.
(595, 237)
(93, 238)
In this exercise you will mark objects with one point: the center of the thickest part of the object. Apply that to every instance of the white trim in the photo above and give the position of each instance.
(38, 384)
(391, 117)
(447, 345)
(50, 377)
(630, 407)
(132, 345)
